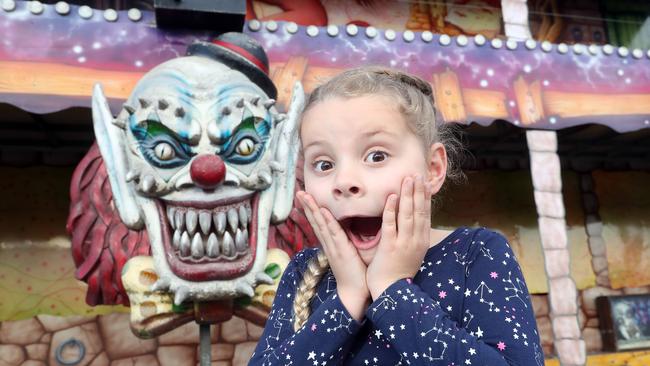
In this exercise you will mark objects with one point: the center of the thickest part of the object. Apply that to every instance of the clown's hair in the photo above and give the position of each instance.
(101, 243)
(414, 99)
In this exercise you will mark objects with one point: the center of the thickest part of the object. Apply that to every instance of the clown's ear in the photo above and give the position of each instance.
(287, 155)
(111, 138)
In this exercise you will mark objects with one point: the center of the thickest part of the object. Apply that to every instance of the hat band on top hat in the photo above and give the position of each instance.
(247, 55)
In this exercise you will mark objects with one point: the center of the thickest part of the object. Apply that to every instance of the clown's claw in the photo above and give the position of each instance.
(161, 285)
(246, 289)
(181, 294)
(262, 277)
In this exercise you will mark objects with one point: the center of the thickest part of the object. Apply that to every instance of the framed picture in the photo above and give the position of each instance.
(624, 321)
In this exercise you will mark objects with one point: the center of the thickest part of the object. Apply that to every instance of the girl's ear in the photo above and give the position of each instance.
(437, 167)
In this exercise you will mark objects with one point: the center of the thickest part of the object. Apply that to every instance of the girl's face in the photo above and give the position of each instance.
(357, 152)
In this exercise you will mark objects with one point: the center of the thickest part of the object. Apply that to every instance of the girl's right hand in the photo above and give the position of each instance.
(345, 262)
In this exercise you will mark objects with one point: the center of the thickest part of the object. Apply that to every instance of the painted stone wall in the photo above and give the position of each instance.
(107, 340)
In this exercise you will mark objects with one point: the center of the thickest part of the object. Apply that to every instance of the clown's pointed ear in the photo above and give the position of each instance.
(286, 155)
(111, 138)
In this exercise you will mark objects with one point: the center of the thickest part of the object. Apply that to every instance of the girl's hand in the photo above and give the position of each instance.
(404, 241)
(348, 268)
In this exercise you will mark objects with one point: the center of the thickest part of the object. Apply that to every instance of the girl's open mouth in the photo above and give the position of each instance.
(363, 232)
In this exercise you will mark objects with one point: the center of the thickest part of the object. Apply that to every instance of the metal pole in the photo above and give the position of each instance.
(204, 348)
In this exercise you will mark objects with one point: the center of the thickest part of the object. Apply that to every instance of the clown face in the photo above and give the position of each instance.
(196, 156)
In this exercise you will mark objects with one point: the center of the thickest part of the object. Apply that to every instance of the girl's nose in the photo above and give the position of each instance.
(346, 191)
(347, 186)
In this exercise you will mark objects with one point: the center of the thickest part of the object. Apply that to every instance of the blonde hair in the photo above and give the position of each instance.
(414, 99)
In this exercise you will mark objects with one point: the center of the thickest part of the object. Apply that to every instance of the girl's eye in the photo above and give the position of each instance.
(323, 165)
(164, 151)
(376, 157)
(245, 147)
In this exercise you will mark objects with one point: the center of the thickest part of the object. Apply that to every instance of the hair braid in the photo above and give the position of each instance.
(316, 268)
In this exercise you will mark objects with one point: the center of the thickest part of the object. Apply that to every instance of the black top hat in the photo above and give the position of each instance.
(240, 52)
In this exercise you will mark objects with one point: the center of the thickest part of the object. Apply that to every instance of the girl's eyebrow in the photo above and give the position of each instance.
(365, 135)
(313, 143)
(379, 132)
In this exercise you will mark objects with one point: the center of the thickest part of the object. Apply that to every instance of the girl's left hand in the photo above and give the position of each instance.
(405, 240)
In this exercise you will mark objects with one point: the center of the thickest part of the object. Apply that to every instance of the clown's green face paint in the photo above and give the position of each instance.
(161, 147)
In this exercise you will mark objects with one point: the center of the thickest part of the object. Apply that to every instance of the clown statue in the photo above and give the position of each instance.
(174, 208)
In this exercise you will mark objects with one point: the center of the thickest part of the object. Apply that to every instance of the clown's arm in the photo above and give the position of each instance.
(322, 338)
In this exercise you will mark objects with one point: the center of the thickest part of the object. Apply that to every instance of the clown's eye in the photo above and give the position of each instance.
(164, 151)
(323, 165)
(245, 147)
(376, 157)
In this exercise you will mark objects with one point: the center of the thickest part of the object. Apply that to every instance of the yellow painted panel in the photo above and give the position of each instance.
(625, 211)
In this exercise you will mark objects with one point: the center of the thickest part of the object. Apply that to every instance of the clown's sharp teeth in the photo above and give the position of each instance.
(181, 294)
(176, 241)
(232, 219)
(170, 216)
(212, 250)
(191, 219)
(249, 212)
(197, 246)
(262, 277)
(228, 245)
(179, 218)
(240, 241)
(205, 220)
(245, 289)
(219, 221)
(243, 216)
(185, 244)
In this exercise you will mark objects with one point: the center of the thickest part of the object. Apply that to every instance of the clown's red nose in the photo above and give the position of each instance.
(207, 171)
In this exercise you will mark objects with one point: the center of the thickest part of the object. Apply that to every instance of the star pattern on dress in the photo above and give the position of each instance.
(483, 290)
(445, 315)
(517, 287)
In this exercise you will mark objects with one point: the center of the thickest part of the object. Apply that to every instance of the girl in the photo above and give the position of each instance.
(386, 289)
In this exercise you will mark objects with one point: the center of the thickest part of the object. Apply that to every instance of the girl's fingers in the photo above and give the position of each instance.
(388, 223)
(315, 218)
(405, 213)
(427, 203)
(338, 235)
(421, 218)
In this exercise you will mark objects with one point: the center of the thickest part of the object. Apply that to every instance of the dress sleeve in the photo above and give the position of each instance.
(321, 341)
(423, 333)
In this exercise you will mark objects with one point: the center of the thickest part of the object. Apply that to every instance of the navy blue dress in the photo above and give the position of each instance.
(467, 305)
